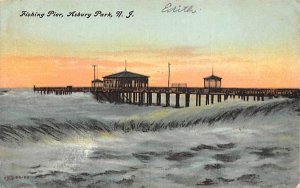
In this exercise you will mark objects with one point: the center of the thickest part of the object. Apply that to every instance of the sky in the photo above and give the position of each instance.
(250, 43)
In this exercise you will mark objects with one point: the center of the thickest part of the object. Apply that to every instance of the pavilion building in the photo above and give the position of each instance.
(125, 79)
(97, 83)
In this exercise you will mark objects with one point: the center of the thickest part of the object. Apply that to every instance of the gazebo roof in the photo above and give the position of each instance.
(212, 77)
(97, 80)
(126, 74)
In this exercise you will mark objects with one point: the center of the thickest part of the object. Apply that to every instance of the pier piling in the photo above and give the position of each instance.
(158, 99)
(177, 104)
(198, 99)
(167, 99)
(149, 98)
(207, 99)
(187, 100)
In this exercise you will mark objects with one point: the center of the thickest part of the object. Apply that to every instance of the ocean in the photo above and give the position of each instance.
(75, 141)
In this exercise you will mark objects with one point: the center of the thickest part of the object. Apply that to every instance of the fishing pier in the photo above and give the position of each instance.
(144, 96)
(133, 88)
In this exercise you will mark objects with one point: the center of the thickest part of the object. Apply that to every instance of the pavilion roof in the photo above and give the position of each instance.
(97, 80)
(212, 77)
(126, 74)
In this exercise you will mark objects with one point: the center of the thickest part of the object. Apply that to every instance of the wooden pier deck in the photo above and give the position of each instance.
(143, 96)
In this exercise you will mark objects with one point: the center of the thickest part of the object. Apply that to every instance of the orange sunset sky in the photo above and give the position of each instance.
(251, 43)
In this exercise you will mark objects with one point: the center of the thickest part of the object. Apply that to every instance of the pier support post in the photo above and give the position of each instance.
(123, 97)
(212, 99)
(149, 98)
(199, 99)
(158, 99)
(134, 98)
(167, 99)
(177, 105)
(187, 100)
(130, 98)
(143, 97)
(262, 97)
(207, 99)
(139, 98)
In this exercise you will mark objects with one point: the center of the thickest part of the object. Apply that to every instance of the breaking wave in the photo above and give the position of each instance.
(39, 128)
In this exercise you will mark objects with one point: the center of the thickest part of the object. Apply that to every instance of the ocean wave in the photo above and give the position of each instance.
(210, 116)
(48, 127)
(40, 128)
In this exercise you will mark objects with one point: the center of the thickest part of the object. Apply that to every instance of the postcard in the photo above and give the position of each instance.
(149, 94)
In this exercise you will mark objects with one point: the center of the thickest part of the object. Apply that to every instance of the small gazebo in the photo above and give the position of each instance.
(125, 79)
(97, 83)
(212, 81)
